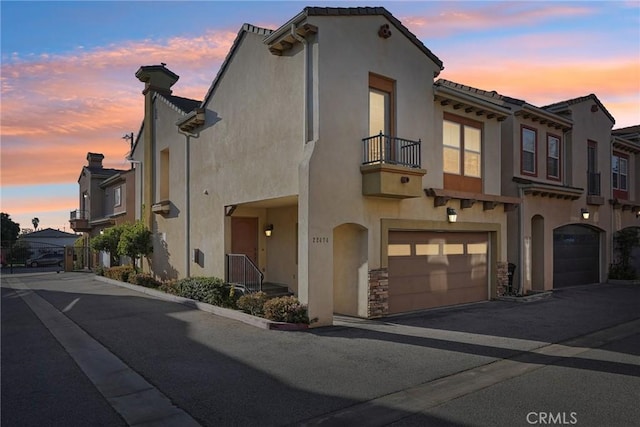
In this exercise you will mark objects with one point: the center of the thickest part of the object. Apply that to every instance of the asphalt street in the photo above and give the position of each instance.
(488, 364)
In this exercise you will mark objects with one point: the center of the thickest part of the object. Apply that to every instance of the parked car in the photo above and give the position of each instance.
(46, 259)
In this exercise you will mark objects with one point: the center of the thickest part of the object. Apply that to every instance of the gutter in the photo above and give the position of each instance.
(285, 28)
(305, 74)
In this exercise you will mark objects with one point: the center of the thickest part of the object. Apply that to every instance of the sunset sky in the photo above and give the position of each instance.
(68, 84)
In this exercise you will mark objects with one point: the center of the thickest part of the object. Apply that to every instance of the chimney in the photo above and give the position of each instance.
(94, 160)
(156, 79)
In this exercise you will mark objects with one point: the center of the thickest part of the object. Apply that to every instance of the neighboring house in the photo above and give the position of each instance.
(352, 170)
(47, 241)
(577, 182)
(106, 198)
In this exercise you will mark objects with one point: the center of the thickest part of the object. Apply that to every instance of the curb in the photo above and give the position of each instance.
(528, 298)
(228, 313)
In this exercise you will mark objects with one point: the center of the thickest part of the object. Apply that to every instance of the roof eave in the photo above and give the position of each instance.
(544, 117)
(478, 105)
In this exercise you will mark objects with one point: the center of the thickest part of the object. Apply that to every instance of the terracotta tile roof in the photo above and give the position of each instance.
(522, 107)
(490, 95)
(185, 104)
(629, 130)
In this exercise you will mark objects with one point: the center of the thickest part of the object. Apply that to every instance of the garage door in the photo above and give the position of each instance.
(576, 256)
(431, 269)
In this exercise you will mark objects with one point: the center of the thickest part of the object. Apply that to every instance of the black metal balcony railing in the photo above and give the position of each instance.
(78, 214)
(593, 183)
(391, 150)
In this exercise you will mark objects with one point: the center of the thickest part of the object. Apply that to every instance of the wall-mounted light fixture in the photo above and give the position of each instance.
(585, 213)
(452, 215)
(268, 230)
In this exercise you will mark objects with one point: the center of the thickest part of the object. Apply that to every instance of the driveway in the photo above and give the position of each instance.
(223, 372)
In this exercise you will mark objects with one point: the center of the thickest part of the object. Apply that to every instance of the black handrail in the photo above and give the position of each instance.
(391, 150)
(240, 270)
(78, 214)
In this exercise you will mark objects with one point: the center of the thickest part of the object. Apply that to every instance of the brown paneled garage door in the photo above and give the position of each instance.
(432, 269)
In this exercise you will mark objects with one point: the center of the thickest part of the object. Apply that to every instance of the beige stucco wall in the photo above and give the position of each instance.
(248, 150)
(556, 212)
(170, 252)
(333, 192)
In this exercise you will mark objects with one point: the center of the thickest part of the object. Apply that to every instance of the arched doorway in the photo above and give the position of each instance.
(576, 255)
(350, 270)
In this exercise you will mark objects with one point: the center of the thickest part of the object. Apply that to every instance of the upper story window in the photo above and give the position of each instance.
(164, 175)
(462, 153)
(553, 157)
(381, 105)
(381, 146)
(117, 196)
(619, 178)
(529, 150)
(593, 176)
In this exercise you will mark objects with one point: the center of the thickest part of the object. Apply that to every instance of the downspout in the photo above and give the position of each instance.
(521, 252)
(303, 41)
(187, 199)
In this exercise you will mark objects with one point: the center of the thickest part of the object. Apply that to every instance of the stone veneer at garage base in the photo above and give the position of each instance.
(379, 289)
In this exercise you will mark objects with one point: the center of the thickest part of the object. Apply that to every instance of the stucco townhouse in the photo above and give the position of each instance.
(578, 184)
(323, 158)
(106, 197)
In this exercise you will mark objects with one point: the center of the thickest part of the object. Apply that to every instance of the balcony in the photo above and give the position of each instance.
(391, 167)
(79, 221)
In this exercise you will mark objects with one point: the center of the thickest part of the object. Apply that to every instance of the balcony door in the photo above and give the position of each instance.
(381, 116)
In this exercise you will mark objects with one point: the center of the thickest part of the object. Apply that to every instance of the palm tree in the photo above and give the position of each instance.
(35, 221)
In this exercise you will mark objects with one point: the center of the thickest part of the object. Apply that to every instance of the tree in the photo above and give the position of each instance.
(135, 241)
(10, 230)
(108, 241)
(35, 221)
(20, 252)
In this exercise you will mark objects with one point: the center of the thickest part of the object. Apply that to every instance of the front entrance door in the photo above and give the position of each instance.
(244, 237)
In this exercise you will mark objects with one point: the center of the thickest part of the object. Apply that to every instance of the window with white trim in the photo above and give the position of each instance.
(117, 196)
(553, 157)
(619, 178)
(528, 152)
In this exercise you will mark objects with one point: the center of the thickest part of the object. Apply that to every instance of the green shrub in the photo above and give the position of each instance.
(169, 287)
(120, 273)
(100, 270)
(286, 309)
(211, 290)
(144, 279)
(253, 303)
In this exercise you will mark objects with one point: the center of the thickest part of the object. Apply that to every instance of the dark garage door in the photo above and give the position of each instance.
(576, 256)
(432, 269)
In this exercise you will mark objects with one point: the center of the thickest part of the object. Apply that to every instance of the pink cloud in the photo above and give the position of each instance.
(55, 108)
(450, 19)
(615, 81)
